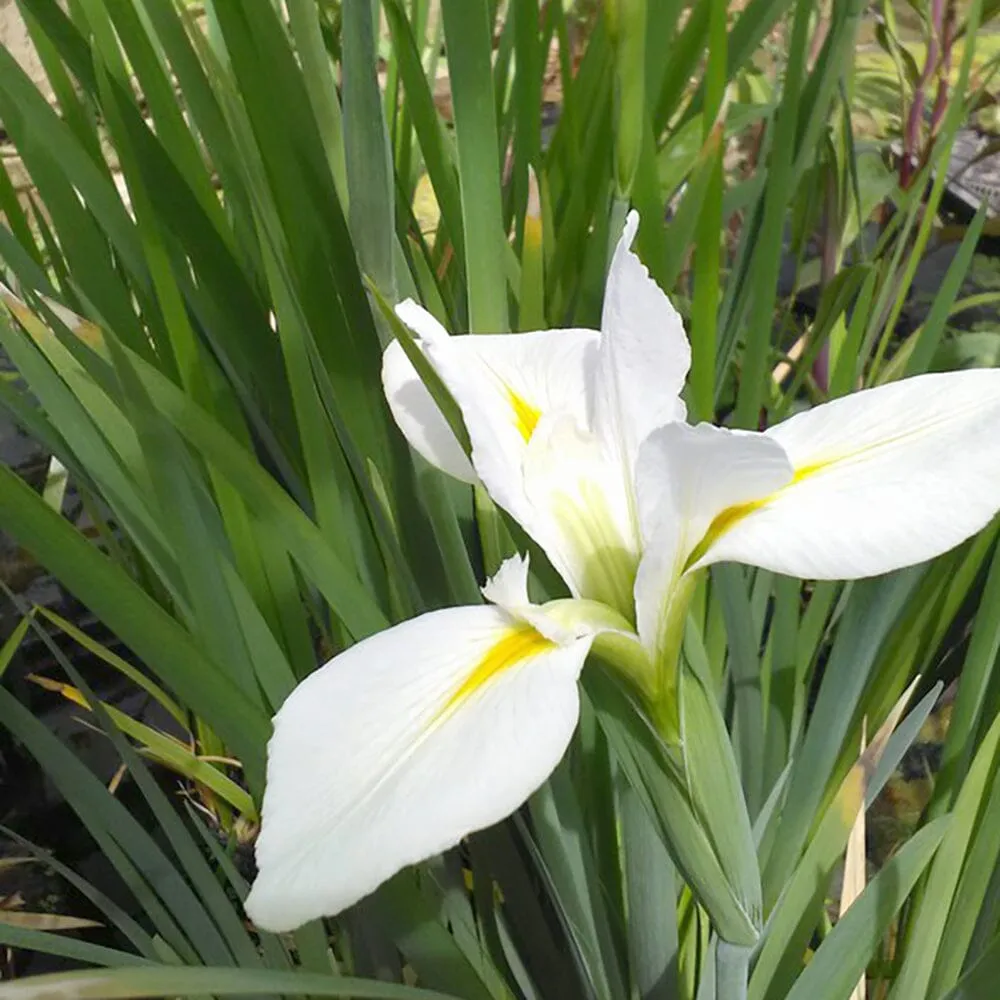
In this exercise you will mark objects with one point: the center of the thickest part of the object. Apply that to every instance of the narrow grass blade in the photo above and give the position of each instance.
(842, 958)
(468, 36)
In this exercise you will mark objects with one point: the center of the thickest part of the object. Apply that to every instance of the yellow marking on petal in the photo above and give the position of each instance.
(731, 516)
(517, 644)
(526, 416)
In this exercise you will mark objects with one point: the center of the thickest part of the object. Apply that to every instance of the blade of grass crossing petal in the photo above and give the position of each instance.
(468, 41)
(430, 378)
(385, 508)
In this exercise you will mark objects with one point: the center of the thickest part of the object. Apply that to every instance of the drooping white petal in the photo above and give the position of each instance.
(884, 478)
(580, 511)
(418, 417)
(686, 478)
(644, 357)
(504, 385)
(399, 747)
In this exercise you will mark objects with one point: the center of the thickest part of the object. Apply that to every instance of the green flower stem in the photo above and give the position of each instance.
(664, 709)
(732, 969)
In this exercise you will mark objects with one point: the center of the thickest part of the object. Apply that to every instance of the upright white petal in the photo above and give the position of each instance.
(687, 477)
(524, 398)
(644, 358)
(884, 478)
(399, 747)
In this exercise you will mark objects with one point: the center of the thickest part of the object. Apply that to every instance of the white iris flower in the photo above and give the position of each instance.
(399, 747)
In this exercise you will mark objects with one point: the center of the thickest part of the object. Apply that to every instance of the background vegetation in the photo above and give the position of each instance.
(223, 204)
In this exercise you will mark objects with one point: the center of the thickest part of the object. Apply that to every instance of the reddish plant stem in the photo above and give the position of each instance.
(911, 133)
